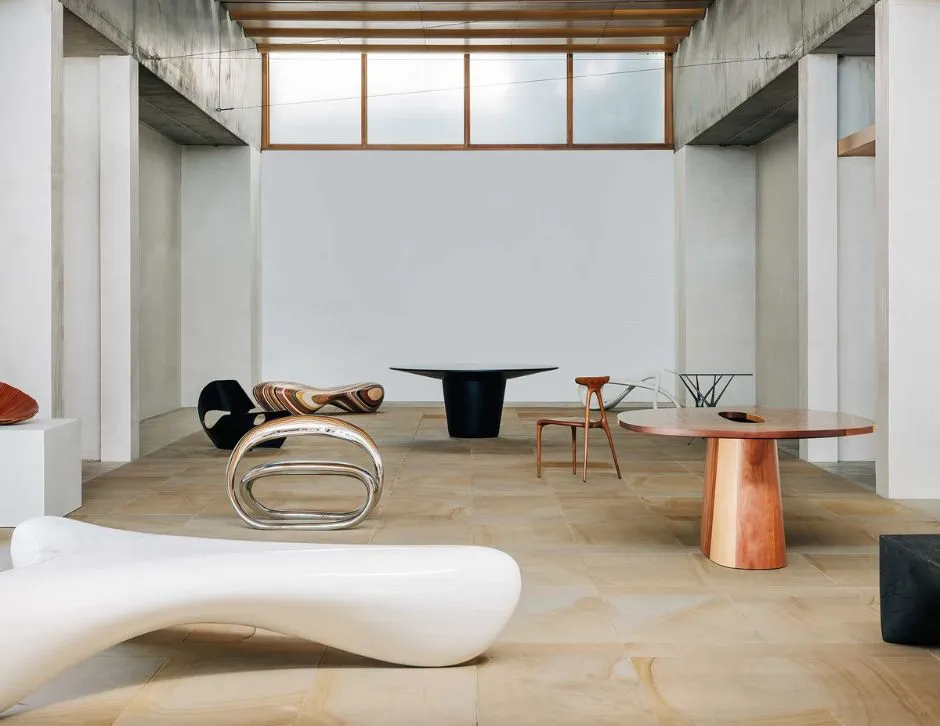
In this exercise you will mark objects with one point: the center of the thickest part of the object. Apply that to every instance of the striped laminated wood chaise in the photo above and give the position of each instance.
(301, 399)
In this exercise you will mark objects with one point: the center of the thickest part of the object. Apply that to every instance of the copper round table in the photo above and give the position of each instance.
(742, 514)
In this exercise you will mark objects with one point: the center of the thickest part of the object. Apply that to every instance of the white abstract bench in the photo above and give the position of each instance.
(77, 589)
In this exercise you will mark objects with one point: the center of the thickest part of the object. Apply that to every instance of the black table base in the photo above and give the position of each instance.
(474, 405)
(473, 395)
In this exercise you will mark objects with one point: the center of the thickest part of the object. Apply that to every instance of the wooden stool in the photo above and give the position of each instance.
(594, 386)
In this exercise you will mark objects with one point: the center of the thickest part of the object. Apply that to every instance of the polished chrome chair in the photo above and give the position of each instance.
(257, 515)
(301, 399)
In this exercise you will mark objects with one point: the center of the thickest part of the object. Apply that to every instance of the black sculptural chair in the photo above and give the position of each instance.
(239, 419)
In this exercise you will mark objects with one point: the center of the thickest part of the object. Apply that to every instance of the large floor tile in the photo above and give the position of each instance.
(352, 690)
(561, 686)
(231, 691)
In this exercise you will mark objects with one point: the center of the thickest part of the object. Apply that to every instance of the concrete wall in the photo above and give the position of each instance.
(191, 45)
(220, 268)
(376, 259)
(715, 247)
(159, 321)
(777, 339)
(743, 45)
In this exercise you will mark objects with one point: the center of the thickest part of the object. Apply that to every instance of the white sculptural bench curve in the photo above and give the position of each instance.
(77, 589)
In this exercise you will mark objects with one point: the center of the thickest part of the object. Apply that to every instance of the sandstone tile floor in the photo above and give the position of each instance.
(622, 621)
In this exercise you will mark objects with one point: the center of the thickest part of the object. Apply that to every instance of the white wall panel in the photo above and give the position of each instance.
(374, 259)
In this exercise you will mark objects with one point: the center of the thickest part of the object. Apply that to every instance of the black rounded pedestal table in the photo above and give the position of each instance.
(473, 395)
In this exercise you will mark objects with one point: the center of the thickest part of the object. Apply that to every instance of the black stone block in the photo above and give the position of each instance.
(910, 588)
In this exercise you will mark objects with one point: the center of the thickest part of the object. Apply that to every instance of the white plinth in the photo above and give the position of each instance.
(40, 469)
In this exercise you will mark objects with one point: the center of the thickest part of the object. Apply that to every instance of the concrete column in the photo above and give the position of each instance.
(858, 377)
(31, 200)
(119, 242)
(220, 267)
(81, 360)
(716, 234)
(907, 256)
(819, 245)
(856, 93)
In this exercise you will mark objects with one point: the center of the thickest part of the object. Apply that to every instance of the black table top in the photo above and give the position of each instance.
(462, 369)
(924, 546)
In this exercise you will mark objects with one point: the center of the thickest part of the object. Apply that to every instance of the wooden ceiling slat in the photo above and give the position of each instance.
(431, 5)
(472, 25)
(617, 14)
(494, 48)
(459, 33)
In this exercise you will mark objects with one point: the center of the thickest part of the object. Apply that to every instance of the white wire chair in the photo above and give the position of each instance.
(649, 383)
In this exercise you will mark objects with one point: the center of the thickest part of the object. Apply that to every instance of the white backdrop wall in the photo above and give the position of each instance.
(220, 337)
(778, 290)
(715, 243)
(160, 174)
(374, 259)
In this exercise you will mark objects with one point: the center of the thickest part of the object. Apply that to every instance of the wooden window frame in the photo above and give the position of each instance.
(364, 144)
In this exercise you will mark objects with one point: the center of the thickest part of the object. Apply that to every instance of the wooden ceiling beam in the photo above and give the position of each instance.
(690, 15)
(316, 5)
(462, 33)
(500, 48)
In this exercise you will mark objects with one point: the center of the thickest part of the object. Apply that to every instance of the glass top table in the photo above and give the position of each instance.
(707, 389)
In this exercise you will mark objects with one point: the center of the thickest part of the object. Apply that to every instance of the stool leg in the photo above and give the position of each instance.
(587, 430)
(574, 450)
(538, 450)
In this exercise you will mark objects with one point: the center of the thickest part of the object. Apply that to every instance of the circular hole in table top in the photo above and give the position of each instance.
(742, 417)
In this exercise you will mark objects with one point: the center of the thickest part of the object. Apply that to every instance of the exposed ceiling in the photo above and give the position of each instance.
(160, 107)
(776, 105)
(481, 25)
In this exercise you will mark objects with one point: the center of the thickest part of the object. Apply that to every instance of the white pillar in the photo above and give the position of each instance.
(858, 375)
(31, 199)
(856, 93)
(119, 257)
(220, 267)
(907, 253)
(81, 357)
(716, 237)
(819, 245)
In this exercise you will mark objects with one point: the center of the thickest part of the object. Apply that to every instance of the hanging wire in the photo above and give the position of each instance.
(504, 83)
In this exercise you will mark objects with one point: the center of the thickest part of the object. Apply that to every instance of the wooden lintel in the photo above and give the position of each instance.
(861, 143)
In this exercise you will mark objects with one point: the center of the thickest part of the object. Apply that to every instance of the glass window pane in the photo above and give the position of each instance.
(518, 99)
(415, 99)
(619, 99)
(315, 98)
